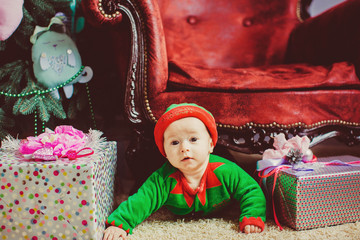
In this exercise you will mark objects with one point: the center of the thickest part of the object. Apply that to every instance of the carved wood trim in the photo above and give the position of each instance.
(257, 140)
(136, 75)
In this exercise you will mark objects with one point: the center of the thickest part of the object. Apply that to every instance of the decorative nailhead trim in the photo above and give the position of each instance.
(101, 10)
(298, 124)
(298, 11)
(147, 104)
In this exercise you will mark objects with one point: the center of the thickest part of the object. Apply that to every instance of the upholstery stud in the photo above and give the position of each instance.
(192, 20)
(247, 22)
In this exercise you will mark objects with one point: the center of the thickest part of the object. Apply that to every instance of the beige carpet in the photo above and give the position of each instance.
(164, 226)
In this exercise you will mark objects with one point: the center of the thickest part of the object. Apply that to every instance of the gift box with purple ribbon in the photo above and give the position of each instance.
(311, 194)
(68, 197)
(328, 195)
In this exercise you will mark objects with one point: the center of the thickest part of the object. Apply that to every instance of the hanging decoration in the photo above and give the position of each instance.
(29, 92)
(56, 59)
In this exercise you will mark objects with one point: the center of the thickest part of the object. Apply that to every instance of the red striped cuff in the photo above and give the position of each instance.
(119, 226)
(251, 221)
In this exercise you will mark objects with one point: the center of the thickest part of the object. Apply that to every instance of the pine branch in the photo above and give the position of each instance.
(44, 104)
(55, 107)
(5, 122)
(11, 75)
(42, 108)
(17, 75)
(26, 105)
(44, 11)
(12, 68)
(24, 31)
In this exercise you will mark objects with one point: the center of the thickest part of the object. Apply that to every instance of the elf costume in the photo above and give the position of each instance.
(222, 182)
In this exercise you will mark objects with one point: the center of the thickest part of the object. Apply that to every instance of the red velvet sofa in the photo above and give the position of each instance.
(261, 67)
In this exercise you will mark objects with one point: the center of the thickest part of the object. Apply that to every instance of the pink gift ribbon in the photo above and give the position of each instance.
(341, 163)
(72, 154)
(274, 171)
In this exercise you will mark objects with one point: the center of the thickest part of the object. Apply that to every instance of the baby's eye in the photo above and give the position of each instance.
(174, 142)
(45, 43)
(193, 139)
(62, 40)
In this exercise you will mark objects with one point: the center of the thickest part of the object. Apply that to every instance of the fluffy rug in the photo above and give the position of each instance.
(162, 225)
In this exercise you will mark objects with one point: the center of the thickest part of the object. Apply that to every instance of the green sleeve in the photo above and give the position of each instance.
(149, 198)
(249, 194)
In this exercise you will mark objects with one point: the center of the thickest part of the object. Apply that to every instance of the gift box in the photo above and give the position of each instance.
(324, 196)
(62, 199)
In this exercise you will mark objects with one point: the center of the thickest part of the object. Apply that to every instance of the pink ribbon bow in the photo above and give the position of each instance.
(64, 141)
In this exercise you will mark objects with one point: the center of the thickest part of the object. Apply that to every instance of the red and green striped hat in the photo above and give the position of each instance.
(179, 111)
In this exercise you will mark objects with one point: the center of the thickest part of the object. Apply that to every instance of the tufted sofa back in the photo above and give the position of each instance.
(228, 33)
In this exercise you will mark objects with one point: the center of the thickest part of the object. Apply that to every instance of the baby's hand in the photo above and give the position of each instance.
(251, 229)
(114, 233)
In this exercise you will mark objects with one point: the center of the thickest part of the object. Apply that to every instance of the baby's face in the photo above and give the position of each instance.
(187, 144)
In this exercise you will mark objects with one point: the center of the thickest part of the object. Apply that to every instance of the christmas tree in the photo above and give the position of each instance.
(26, 106)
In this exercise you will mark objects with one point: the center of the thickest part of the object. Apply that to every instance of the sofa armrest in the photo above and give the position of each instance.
(332, 36)
(141, 21)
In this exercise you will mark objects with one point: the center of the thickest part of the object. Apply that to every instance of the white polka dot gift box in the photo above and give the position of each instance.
(68, 196)
(317, 194)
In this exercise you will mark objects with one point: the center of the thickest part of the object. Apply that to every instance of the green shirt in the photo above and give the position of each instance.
(222, 182)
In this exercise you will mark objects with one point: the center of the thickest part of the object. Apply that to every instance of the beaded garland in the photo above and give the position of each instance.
(42, 92)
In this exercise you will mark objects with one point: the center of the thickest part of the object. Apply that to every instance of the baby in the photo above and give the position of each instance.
(193, 180)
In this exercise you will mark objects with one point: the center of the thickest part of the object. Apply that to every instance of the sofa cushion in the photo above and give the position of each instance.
(312, 108)
(223, 33)
(292, 77)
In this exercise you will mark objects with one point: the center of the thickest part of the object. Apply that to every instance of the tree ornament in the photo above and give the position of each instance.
(11, 14)
(56, 58)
